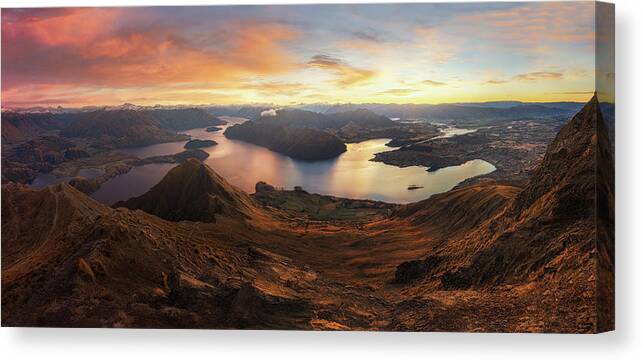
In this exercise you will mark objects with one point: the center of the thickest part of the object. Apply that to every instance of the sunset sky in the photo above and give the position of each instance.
(411, 53)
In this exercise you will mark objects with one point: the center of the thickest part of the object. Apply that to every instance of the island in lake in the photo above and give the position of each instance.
(199, 143)
(298, 143)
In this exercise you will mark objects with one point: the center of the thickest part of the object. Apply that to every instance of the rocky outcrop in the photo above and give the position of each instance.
(263, 187)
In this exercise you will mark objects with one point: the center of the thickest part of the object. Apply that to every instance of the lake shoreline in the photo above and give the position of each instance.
(354, 174)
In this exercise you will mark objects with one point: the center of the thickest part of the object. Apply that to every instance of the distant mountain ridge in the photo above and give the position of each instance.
(19, 126)
(125, 125)
(308, 119)
(464, 112)
(119, 128)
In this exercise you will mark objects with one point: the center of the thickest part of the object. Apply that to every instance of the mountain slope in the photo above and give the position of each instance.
(119, 128)
(193, 191)
(87, 265)
(550, 238)
(19, 126)
(560, 197)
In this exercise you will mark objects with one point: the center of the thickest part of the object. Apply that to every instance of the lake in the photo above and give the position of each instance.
(351, 175)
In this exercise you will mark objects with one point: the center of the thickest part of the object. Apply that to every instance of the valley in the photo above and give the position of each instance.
(196, 250)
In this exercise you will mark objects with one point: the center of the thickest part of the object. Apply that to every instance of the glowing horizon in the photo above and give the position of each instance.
(299, 54)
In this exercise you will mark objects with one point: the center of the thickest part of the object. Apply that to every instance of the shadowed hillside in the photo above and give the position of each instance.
(119, 128)
(193, 192)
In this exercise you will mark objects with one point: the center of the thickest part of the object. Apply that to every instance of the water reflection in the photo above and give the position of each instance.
(44, 180)
(134, 183)
(349, 175)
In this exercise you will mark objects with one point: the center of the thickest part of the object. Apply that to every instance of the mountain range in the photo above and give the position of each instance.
(196, 252)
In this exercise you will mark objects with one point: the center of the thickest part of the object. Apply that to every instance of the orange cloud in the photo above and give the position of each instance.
(57, 27)
(87, 48)
(131, 45)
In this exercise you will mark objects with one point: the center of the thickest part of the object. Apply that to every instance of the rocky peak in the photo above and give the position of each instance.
(569, 165)
(192, 191)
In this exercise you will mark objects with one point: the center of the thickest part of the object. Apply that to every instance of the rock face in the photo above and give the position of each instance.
(556, 212)
(193, 191)
(557, 231)
(298, 143)
(199, 143)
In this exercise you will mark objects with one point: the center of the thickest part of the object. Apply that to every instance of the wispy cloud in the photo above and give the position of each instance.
(398, 92)
(574, 92)
(495, 82)
(278, 88)
(346, 74)
(439, 47)
(433, 83)
(531, 25)
(539, 75)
